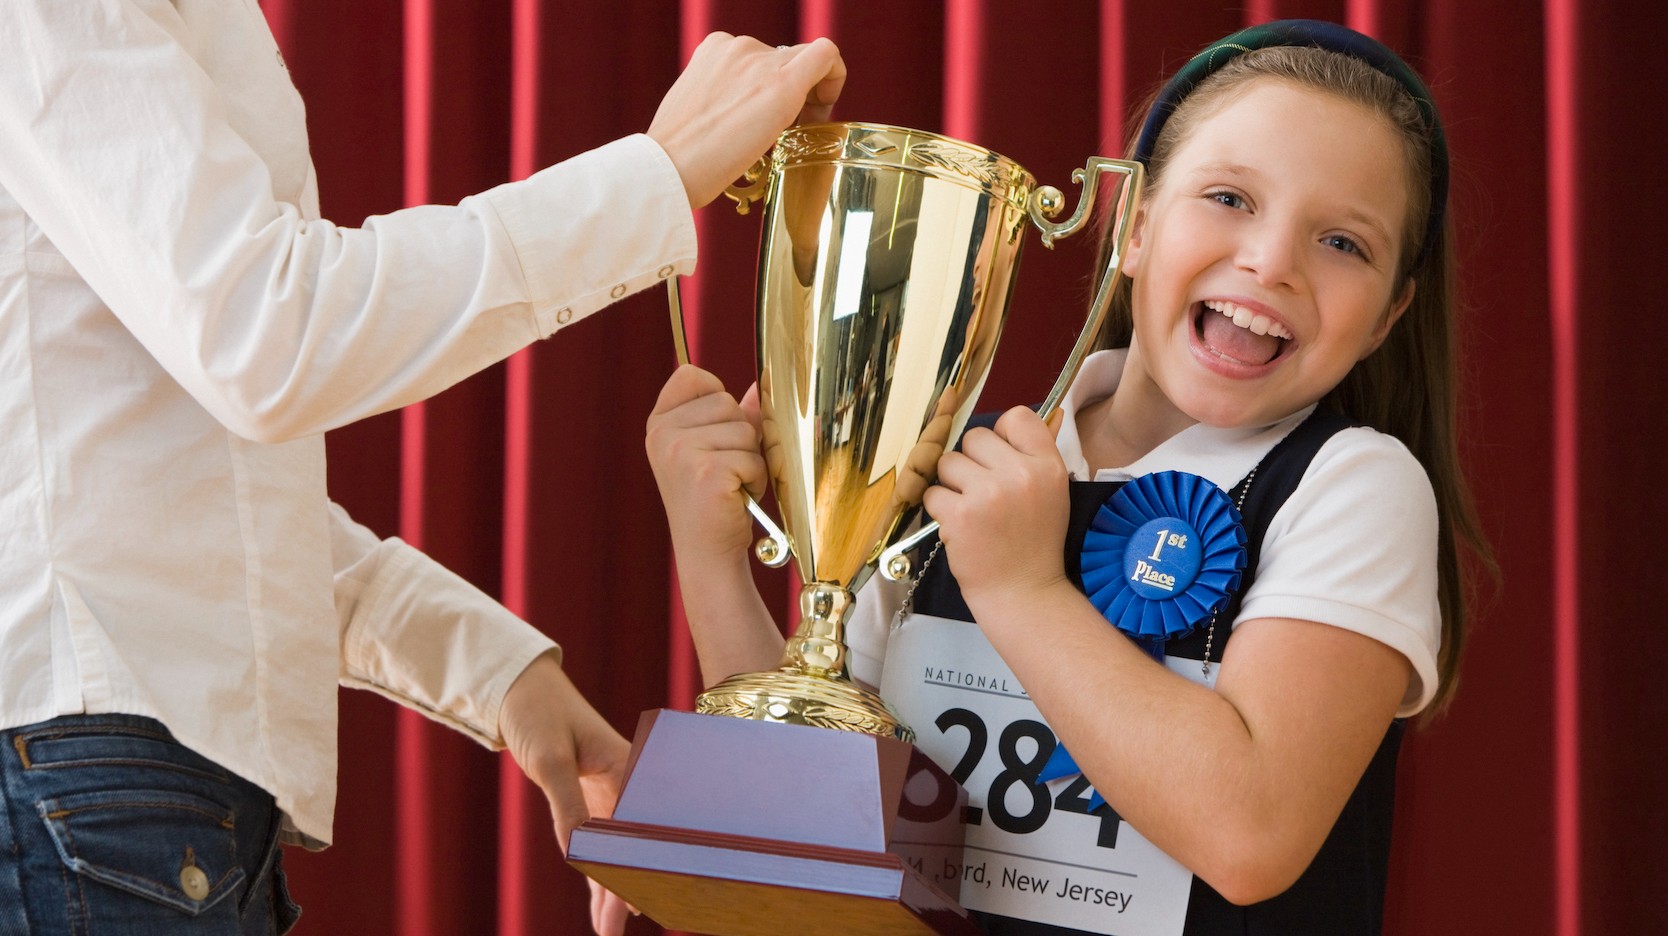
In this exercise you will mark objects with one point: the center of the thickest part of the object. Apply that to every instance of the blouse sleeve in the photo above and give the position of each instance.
(135, 163)
(1355, 546)
(417, 633)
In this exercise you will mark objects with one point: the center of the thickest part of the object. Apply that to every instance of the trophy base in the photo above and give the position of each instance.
(791, 697)
(735, 828)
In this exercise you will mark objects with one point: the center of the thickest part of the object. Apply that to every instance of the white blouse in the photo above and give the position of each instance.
(179, 327)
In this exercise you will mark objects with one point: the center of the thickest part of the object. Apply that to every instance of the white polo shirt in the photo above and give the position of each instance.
(1354, 546)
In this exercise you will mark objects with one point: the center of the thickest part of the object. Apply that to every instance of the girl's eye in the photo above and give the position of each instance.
(1226, 198)
(1343, 243)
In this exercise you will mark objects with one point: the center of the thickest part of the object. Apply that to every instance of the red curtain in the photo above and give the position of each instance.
(1533, 808)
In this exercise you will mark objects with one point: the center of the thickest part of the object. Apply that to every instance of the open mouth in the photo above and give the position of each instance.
(1238, 334)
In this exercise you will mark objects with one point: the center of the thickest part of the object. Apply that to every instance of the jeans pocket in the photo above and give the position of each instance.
(170, 847)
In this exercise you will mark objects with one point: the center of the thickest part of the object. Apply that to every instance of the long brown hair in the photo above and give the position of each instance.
(1408, 388)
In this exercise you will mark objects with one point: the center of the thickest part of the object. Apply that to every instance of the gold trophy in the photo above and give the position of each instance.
(886, 263)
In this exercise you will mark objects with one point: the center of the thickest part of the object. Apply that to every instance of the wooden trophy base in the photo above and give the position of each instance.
(733, 827)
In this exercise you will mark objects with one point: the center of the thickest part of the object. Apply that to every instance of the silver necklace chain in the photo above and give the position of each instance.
(1210, 632)
(908, 606)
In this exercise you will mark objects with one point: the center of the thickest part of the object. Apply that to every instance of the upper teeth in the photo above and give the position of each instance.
(1245, 318)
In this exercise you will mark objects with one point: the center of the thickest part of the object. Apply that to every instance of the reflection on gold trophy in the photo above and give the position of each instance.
(887, 260)
(886, 263)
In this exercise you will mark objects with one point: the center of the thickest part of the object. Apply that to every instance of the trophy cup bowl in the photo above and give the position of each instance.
(887, 260)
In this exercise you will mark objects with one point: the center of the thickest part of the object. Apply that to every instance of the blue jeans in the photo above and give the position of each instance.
(110, 826)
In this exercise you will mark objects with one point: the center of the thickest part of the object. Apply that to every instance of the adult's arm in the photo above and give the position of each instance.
(119, 145)
(418, 633)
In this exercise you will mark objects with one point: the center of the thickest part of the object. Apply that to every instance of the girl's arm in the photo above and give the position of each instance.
(1241, 784)
(704, 448)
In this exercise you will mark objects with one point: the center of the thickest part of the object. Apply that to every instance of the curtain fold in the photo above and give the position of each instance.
(1529, 809)
(1607, 254)
(455, 96)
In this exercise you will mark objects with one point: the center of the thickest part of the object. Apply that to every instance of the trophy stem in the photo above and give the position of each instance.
(818, 645)
(812, 685)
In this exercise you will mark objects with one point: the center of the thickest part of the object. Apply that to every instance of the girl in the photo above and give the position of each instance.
(1284, 341)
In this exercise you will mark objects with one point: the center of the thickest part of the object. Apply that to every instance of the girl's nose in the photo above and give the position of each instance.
(1269, 251)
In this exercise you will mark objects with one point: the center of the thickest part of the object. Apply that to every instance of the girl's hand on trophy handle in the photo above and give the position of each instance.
(704, 449)
(733, 99)
(1002, 506)
(772, 440)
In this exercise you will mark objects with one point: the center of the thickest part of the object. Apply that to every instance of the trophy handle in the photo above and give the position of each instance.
(1043, 205)
(772, 549)
(1123, 223)
(751, 189)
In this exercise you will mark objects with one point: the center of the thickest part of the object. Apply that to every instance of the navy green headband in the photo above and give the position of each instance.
(1321, 35)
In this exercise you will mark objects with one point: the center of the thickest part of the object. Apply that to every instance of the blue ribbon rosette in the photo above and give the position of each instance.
(1161, 556)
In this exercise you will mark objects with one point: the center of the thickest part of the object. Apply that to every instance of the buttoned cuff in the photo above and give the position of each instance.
(596, 228)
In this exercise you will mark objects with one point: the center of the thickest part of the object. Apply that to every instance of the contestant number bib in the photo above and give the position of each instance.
(1035, 851)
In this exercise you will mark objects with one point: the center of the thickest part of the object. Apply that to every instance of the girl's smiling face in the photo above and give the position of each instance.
(1264, 265)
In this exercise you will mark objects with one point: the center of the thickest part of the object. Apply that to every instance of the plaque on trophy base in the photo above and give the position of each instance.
(747, 828)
